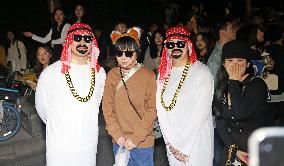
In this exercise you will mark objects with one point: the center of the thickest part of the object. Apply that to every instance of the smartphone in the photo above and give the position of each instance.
(266, 147)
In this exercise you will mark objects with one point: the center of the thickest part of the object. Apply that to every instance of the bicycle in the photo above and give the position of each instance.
(10, 118)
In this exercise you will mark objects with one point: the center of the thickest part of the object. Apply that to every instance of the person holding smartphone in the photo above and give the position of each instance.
(241, 99)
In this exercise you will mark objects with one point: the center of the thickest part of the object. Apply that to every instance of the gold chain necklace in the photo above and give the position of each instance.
(73, 91)
(174, 100)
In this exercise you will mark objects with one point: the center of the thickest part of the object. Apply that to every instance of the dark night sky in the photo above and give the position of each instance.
(32, 15)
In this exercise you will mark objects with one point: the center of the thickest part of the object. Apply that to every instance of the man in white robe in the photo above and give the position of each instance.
(184, 97)
(68, 96)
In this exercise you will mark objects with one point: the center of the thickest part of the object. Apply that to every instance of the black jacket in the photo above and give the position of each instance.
(248, 111)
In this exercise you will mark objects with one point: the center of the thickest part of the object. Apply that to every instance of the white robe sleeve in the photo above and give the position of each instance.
(43, 94)
(45, 39)
(102, 78)
(62, 36)
(202, 111)
(182, 126)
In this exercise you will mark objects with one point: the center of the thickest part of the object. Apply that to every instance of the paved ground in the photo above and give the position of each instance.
(25, 150)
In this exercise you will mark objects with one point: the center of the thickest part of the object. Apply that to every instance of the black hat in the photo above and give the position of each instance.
(236, 49)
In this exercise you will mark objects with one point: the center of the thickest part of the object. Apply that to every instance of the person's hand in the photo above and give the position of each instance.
(173, 150)
(181, 157)
(243, 156)
(31, 84)
(178, 155)
(129, 145)
(236, 72)
(28, 34)
(121, 141)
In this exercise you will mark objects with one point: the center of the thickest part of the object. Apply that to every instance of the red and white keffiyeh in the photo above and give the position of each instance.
(66, 57)
(180, 33)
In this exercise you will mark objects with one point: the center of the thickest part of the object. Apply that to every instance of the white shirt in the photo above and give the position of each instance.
(71, 126)
(188, 127)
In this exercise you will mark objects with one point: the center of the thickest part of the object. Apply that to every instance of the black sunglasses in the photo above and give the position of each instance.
(171, 45)
(87, 38)
(128, 54)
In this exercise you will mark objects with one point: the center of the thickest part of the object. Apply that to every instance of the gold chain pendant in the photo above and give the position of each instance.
(174, 100)
(73, 91)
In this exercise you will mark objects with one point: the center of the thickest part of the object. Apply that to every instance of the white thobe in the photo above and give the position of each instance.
(71, 126)
(188, 127)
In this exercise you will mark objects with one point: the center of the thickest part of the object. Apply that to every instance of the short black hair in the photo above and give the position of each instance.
(221, 24)
(46, 47)
(127, 43)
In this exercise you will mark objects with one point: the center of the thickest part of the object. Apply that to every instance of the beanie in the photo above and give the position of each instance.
(236, 49)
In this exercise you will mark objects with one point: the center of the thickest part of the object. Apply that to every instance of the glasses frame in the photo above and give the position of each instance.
(87, 38)
(171, 44)
(127, 53)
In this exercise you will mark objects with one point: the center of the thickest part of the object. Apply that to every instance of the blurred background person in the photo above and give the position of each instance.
(80, 14)
(43, 54)
(3, 56)
(16, 57)
(121, 27)
(43, 57)
(56, 35)
(111, 61)
(153, 53)
(276, 51)
(254, 35)
(203, 46)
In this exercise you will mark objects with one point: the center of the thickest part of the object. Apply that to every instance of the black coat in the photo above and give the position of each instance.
(249, 110)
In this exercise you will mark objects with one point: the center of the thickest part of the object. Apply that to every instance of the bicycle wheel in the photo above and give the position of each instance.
(10, 122)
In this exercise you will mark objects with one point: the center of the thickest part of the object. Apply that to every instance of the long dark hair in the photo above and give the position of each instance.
(8, 43)
(153, 46)
(85, 17)
(38, 68)
(209, 44)
(53, 14)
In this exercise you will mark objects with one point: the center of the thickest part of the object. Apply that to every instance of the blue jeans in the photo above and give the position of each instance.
(139, 156)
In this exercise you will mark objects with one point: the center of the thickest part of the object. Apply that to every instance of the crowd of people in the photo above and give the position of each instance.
(204, 84)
